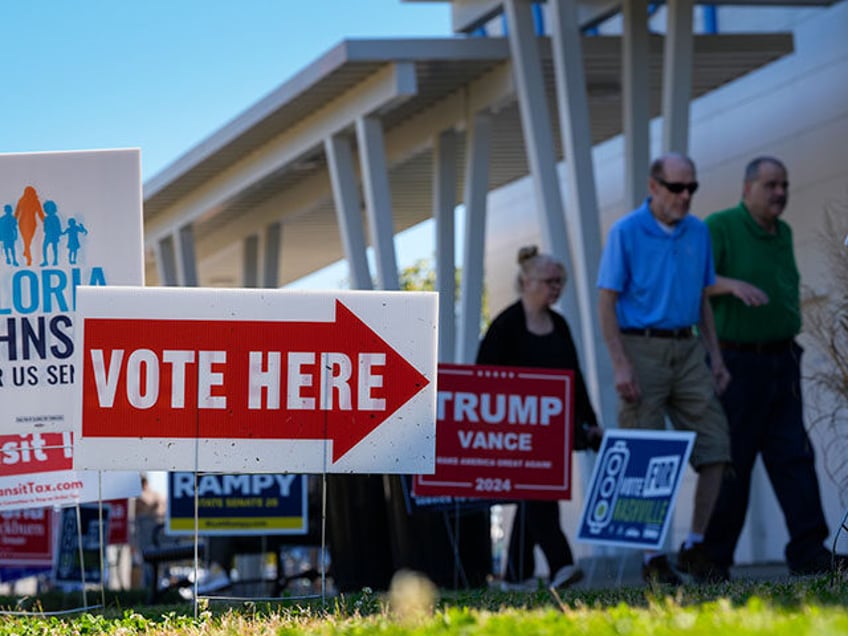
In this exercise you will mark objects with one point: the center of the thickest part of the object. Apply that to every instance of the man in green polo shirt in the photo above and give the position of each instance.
(757, 307)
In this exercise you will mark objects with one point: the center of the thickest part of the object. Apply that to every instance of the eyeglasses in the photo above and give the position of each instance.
(559, 281)
(677, 187)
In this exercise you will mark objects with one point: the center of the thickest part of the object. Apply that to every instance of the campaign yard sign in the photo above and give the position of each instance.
(119, 522)
(14, 573)
(237, 504)
(36, 470)
(240, 380)
(27, 543)
(634, 487)
(68, 570)
(502, 433)
(26, 538)
(66, 219)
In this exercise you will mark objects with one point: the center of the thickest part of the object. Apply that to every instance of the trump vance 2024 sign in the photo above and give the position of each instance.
(503, 433)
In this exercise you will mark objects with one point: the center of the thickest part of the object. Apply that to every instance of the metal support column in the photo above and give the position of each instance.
(478, 142)
(186, 261)
(677, 75)
(250, 262)
(348, 208)
(271, 255)
(635, 101)
(444, 204)
(375, 178)
(581, 210)
(166, 262)
(538, 141)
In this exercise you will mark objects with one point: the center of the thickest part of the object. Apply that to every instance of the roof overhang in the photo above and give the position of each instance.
(467, 15)
(268, 164)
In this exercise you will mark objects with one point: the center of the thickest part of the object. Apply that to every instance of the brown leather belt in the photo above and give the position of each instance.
(650, 332)
(770, 346)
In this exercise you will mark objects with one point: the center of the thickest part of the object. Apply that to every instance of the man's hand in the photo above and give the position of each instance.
(625, 379)
(625, 383)
(749, 294)
(721, 376)
(594, 436)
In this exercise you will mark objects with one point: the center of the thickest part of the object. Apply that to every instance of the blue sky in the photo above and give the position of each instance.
(164, 74)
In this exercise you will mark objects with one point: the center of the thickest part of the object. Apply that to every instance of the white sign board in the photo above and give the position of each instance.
(36, 470)
(256, 380)
(66, 219)
(634, 487)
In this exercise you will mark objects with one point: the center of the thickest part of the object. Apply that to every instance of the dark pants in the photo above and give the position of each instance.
(765, 414)
(536, 522)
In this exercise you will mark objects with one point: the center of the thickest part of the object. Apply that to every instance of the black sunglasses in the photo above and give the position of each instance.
(676, 187)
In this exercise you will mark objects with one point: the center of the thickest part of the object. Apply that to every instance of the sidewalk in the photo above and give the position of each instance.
(626, 571)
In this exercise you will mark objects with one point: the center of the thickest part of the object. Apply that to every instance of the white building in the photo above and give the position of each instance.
(377, 136)
(795, 108)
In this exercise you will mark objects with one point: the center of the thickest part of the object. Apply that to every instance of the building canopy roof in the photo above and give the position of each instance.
(268, 164)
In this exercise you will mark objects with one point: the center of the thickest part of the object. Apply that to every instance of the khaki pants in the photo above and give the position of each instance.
(675, 381)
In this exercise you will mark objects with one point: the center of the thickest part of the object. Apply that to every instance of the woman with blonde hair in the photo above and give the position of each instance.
(529, 333)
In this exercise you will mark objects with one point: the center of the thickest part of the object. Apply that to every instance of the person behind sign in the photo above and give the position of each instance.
(655, 270)
(529, 333)
(149, 513)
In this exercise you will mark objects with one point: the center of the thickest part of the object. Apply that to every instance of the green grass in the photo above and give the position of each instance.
(816, 606)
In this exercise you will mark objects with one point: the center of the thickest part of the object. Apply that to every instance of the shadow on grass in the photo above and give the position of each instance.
(826, 590)
(789, 593)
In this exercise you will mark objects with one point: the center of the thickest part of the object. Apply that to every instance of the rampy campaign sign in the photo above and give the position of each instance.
(237, 504)
(256, 380)
(502, 433)
(66, 219)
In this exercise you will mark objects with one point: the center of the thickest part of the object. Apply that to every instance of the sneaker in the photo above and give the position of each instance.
(823, 563)
(696, 562)
(567, 575)
(658, 571)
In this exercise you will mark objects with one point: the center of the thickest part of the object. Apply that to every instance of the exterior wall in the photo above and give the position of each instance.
(729, 19)
(796, 109)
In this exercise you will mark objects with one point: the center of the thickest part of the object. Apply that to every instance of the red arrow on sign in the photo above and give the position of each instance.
(242, 379)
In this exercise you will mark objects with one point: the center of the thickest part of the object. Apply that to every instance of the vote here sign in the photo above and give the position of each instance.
(502, 433)
(257, 380)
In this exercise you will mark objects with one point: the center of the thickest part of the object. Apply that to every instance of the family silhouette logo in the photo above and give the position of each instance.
(38, 296)
(19, 225)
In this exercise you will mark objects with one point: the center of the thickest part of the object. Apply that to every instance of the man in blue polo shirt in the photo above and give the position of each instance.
(656, 266)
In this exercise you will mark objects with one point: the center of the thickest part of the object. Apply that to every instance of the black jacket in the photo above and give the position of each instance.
(506, 342)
